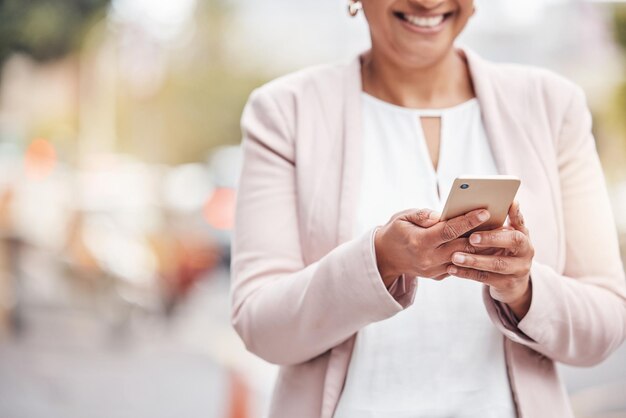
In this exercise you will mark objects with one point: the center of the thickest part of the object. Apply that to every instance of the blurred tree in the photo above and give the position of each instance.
(45, 29)
(619, 22)
(619, 27)
(197, 105)
(201, 100)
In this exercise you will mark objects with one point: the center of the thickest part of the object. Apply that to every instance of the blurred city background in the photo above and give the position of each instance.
(119, 133)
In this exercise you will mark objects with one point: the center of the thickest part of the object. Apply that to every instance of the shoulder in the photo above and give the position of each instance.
(545, 104)
(312, 95)
(280, 108)
(539, 99)
(537, 88)
(304, 84)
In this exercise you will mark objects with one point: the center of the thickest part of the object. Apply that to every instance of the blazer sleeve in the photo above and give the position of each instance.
(287, 312)
(578, 317)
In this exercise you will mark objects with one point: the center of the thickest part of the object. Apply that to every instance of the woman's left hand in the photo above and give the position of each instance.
(506, 268)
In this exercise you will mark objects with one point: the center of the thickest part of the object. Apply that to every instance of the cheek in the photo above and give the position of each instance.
(466, 10)
(467, 5)
(374, 10)
(380, 26)
(376, 18)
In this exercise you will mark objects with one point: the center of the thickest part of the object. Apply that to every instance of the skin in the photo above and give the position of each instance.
(423, 70)
(416, 70)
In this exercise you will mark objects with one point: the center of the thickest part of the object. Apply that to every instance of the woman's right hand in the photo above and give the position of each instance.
(416, 243)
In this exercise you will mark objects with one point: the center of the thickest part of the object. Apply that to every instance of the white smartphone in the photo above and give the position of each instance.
(494, 193)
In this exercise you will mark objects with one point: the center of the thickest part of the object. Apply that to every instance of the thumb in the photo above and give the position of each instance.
(516, 218)
(424, 218)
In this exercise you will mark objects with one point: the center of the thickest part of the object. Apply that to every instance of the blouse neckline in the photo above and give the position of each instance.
(420, 111)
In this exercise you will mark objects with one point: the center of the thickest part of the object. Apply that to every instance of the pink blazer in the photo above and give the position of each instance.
(303, 285)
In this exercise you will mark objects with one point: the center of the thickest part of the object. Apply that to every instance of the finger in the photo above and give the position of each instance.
(463, 245)
(516, 218)
(424, 218)
(486, 277)
(455, 227)
(491, 263)
(513, 240)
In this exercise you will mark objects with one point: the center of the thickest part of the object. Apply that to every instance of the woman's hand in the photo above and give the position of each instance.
(506, 269)
(416, 243)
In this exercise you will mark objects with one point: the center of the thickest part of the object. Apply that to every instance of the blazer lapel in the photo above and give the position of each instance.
(352, 151)
(350, 185)
(519, 151)
(493, 115)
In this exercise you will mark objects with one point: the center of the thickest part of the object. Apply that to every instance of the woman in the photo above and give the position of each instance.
(343, 273)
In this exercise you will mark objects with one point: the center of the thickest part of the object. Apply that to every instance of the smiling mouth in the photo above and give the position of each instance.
(423, 21)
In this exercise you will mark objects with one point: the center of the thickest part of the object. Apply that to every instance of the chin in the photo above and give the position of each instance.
(421, 46)
(423, 55)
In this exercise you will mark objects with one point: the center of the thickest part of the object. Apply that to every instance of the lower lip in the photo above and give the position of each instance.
(423, 30)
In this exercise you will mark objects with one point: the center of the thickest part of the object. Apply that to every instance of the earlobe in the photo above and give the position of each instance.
(354, 6)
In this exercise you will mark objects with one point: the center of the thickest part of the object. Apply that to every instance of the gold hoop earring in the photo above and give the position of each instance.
(354, 6)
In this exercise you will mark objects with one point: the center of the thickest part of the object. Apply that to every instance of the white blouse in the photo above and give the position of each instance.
(441, 357)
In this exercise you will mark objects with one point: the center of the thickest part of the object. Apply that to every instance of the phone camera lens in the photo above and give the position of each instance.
(464, 186)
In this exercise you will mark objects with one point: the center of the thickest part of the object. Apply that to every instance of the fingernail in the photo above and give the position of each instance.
(475, 239)
(458, 258)
(452, 270)
(434, 215)
(483, 215)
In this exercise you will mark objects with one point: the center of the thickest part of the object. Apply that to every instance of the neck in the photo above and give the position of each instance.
(444, 83)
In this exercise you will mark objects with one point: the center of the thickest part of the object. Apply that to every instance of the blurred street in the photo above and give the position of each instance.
(53, 373)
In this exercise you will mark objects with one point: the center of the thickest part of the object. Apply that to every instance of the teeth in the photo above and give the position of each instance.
(424, 22)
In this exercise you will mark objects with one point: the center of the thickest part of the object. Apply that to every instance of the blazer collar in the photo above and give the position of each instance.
(500, 122)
